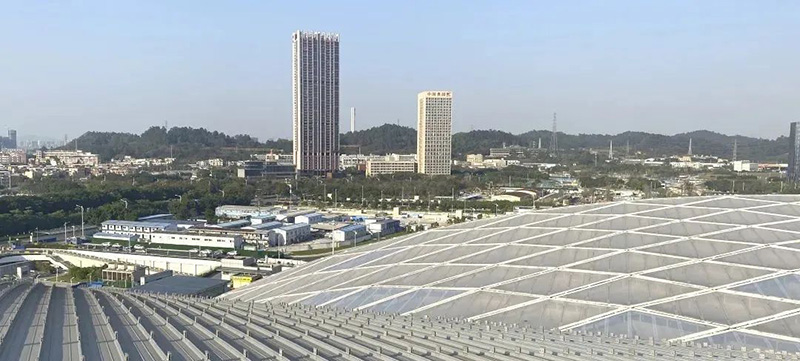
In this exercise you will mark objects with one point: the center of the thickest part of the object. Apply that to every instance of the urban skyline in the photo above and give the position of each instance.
(604, 68)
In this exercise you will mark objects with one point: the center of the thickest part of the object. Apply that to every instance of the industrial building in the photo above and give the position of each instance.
(383, 227)
(126, 273)
(197, 240)
(717, 270)
(143, 230)
(45, 322)
(237, 212)
(309, 218)
(289, 234)
(350, 232)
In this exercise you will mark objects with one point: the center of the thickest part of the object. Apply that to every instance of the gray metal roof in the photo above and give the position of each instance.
(41, 322)
(181, 285)
(723, 270)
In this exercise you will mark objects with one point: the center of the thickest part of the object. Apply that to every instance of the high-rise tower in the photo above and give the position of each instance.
(434, 132)
(315, 101)
(794, 153)
(352, 119)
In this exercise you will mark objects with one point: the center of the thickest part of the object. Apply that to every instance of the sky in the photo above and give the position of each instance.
(669, 67)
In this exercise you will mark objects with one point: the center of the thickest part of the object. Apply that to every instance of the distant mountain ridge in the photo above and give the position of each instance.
(199, 143)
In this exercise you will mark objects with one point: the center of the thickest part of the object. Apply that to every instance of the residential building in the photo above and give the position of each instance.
(434, 132)
(67, 158)
(197, 240)
(13, 156)
(794, 153)
(475, 159)
(290, 234)
(315, 101)
(377, 167)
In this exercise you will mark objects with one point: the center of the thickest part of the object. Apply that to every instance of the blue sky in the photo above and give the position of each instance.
(604, 66)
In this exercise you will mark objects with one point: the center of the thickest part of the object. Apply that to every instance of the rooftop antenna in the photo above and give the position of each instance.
(554, 136)
(735, 149)
(690, 146)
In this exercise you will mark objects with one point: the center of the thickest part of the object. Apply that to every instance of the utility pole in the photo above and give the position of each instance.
(83, 232)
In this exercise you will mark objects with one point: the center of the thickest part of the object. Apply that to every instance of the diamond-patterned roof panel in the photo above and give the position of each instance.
(718, 269)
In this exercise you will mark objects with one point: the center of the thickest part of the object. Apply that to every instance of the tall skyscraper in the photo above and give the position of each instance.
(315, 101)
(434, 132)
(352, 119)
(12, 136)
(794, 153)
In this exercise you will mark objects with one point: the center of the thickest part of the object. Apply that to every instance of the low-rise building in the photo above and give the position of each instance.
(378, 167)
(67, 158)
(143, 230)
(744, 166)
(257, 168)
(127, 273)
(350, 232)
(13, 156)
(289, 234)
(237, 212)
(197, 240)
(232, 224)
(383, 226)
(310, 218)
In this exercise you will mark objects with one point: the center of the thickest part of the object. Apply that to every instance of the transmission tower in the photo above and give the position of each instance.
(554, 136)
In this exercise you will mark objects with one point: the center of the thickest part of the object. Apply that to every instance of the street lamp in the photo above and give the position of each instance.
(83, 232)
(65, 231)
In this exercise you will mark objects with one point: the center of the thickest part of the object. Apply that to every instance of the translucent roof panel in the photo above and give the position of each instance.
(425, 237)
(571, 220)
(560, 257)
(366, 296)
(489, 276)
(724, 308)
(572, 209)
(430, 275)
(324, 297)
(383, 274)
(625, 223)
(523, 219)
(630, 291)
(708, 274)
(566, 237)
(737, 340)
(767, 257)
(414, 300)
(643, 325)
(782, 209)
(787, 286)
(787, 326)
(628, 262)
(360, 260)
(623, 208)
(680, 212)
(772, 197)
(755, 235)
(553, 282)
(687, 228)
(695, 248)
(793, 226)
(333, 280)
(674, 200)
(473, 224)
(548, 314)
(503, 254)
(513, 235)
(475, 304)
(731, 203)
(408, 254)
(465, 237)
(742, 218)
(626, 240)
(449, 254)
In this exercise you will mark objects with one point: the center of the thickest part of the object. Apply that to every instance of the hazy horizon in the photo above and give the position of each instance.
(606, 68)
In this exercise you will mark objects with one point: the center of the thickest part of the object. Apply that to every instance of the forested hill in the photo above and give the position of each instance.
(182, 142)
(195, 144)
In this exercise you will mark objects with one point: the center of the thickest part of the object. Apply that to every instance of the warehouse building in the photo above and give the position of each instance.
(197, 240)
(143, 230)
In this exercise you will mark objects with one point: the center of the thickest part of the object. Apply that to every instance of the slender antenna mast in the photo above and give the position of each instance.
(554, 136)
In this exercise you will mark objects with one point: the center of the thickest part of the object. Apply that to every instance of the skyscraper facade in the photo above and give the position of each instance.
(434, 132)
(794, 153)
(315, 101)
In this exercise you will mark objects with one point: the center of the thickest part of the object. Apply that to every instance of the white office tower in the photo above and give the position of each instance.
(352, 119)
(315, 101)
(434, 132)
